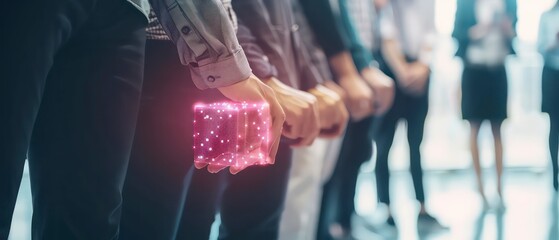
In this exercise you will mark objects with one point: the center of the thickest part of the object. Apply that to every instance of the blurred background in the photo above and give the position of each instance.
(531, 211)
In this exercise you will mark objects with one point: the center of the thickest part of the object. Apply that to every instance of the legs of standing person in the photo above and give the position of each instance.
(384, 138)
(553, 148)
(201, 205)
(474, 150)
(160, 167)
(303, 192)
(31, 38)
(253, 200)
(357, 151)
(550, 86)
(415, 116)
(338, 197)
(82, 138)
(498, 144)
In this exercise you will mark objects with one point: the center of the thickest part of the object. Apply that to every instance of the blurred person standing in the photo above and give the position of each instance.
(359, 20)
(548, 46)
(408, 34)
(484, 30)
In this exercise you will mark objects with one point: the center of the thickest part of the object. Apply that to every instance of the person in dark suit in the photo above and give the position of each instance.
(484, 30)
(548, 46)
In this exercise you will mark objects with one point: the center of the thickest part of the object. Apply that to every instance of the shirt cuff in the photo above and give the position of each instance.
(223, 73)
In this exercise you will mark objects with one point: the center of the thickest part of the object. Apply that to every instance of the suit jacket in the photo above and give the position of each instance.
(466, 18)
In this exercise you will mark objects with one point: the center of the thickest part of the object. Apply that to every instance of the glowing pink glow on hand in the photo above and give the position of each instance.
(232, 134)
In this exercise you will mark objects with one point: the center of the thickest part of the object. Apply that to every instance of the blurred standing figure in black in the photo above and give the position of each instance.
(548, 46)
(484, 30)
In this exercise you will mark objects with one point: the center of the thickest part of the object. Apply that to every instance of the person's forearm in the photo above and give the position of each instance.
(342, 65)
(394, 56)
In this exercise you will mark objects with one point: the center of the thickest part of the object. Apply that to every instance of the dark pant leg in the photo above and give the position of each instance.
(338, 194)
(254, 199)
(84, 130)
(384, 137)
(161, 164)
(201, 205)
(356, 150)
(554, 146)
(32, 33)
(415, 116)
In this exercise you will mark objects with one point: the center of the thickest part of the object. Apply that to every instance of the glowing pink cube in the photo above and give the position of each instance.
(232, 134)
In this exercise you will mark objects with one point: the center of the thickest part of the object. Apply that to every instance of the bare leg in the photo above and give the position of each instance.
(496, 129)
(474, 149)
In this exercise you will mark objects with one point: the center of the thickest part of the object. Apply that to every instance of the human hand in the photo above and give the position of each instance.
(301, 111)
(253, 90)
(418, 76)
(479, 30)
(359, 99)
(332, 111)
(383, 87)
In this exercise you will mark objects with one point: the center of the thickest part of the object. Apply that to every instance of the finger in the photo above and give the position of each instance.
(278, 118)
(236, 169)
(200, 165)
(288, 131)
(214, 168)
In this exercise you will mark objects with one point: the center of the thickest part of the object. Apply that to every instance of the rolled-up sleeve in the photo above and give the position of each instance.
(205, 37)
(261, 66)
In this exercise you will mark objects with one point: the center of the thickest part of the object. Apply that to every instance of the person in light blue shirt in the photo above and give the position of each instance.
(548, 46)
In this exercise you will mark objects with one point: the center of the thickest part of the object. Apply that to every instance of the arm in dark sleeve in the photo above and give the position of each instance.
(325, 25)
(254, 15)
(362, 57)
(257, 60)
(464, 19)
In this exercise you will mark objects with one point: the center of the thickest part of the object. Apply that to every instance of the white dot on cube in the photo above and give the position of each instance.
(201, 144)
(212, 132)
(207, 139)
(222, 141)
(210, 149)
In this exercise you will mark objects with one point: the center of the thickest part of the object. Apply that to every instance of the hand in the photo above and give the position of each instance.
(359, 96)
(332, 111)
(301, 111)
(253, 90)
(383, 87)
(507, 28)
(418, 76)
(336, 88)
(479, 30)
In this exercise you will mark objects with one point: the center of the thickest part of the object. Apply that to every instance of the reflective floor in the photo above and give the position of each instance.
(531, 207)
(531, 211)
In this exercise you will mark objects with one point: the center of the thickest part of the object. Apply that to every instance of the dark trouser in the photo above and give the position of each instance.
(254, 200)
(550, 98)
(201, 205)
(69, 92)
(250, 202)
(338, 193)
(413, 109)
(161, 163)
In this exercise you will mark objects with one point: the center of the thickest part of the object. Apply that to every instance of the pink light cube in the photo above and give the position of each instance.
(232, 134)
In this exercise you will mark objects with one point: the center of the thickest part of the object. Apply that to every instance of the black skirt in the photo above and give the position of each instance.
(484, 93)
(550, 91)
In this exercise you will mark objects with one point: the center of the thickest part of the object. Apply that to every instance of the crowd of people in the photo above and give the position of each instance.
(97, 96)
